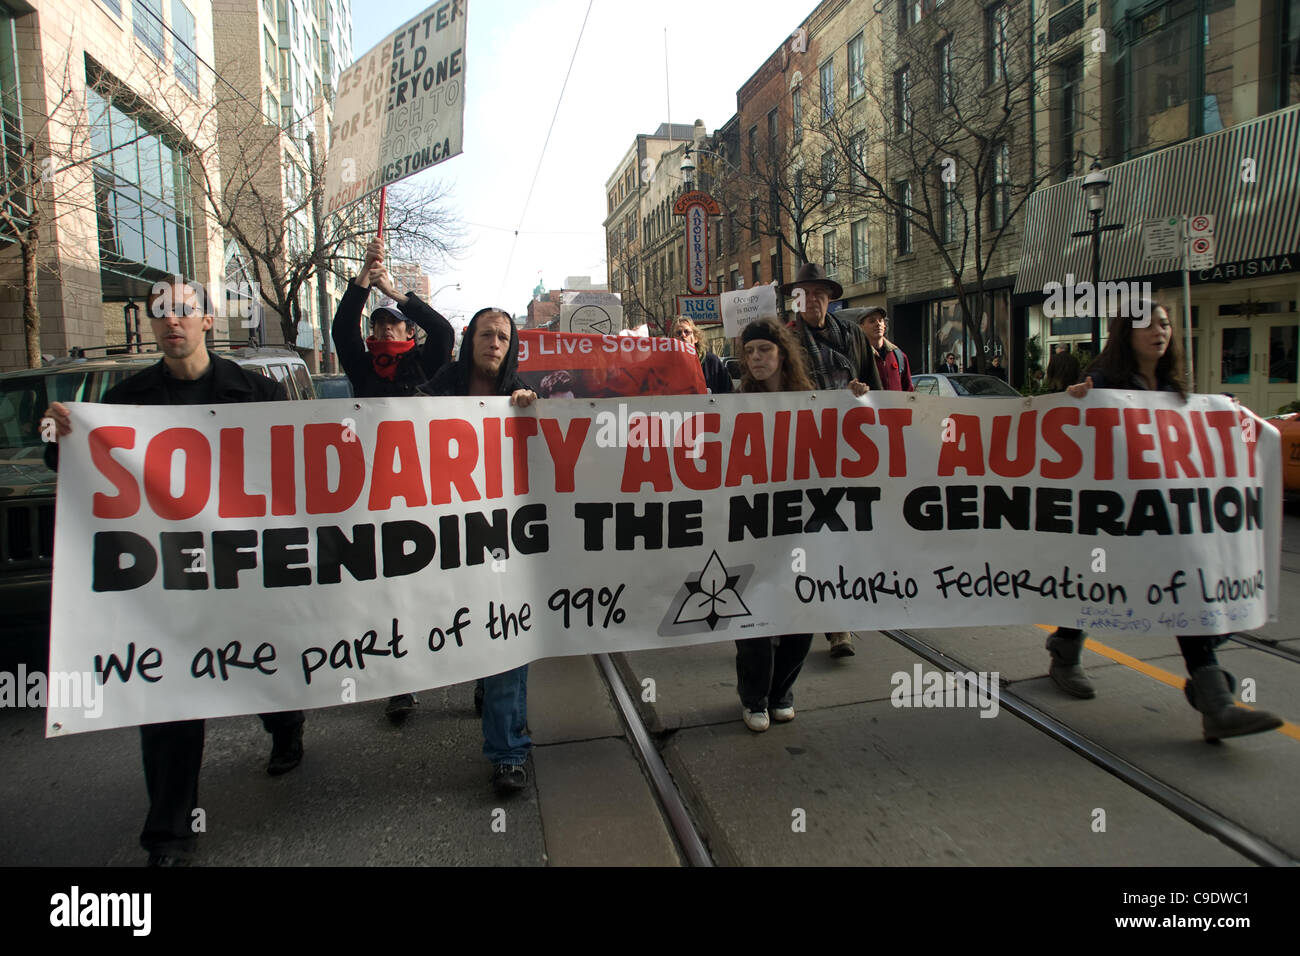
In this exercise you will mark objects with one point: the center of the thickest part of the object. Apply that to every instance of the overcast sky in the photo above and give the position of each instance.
(516, 57)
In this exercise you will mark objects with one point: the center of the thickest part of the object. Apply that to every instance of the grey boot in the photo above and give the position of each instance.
(1210, 691)
(1065, 670)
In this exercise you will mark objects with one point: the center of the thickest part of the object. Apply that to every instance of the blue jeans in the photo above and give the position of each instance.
(505, 716)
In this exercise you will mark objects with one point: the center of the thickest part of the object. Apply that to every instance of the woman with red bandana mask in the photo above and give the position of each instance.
(388, 363)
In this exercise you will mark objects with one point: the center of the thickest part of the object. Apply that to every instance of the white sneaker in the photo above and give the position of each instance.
(756, 720)
(782, 715)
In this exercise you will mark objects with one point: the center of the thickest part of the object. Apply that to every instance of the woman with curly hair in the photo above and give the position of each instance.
(766, 667)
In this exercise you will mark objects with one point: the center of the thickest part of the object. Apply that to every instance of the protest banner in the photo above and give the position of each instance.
(234, 559)
(400, 107)
(743, 306)
(565, 365)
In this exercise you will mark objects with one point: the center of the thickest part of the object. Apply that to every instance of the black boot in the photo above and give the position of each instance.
(286, 751)
(1065, 670)
(1210, 691)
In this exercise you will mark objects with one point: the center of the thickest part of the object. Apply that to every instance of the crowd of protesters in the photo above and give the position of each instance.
(816, 350)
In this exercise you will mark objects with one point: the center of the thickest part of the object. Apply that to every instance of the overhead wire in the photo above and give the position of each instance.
(541, 158)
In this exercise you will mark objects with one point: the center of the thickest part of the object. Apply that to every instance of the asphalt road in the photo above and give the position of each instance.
(853, 780)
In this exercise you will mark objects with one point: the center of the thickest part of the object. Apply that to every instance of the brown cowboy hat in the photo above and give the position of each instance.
(810, 273)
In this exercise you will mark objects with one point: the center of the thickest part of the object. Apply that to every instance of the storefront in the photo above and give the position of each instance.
(1245, 324)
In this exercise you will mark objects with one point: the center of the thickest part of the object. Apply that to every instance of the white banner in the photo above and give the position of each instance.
(400, 108)
(237, 559)
(743, 306)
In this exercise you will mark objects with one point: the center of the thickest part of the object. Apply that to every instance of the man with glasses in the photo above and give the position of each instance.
(187, 374)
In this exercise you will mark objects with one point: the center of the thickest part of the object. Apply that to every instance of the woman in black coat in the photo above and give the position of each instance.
(1148, 358)
(715, 373)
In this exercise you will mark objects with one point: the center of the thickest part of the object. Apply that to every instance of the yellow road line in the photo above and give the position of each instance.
(1157, 673)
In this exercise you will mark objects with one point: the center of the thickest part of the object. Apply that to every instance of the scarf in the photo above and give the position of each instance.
(828, 364)
(385, 355)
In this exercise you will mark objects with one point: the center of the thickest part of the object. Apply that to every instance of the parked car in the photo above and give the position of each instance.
(27, 486)
(1289, 426)
(332, 386)
(962, 386)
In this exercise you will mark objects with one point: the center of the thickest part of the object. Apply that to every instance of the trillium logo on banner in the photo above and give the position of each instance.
(710, 596)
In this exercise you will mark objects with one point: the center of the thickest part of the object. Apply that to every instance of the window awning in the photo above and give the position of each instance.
(1209, 175)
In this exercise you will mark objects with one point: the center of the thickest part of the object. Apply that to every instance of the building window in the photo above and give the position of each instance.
(903, 216)
(902, 100)
(828, 90)
(773, 146)
(830, 261)
(1179, 74)
(943, 73)
(187, 60)
(113, 5)
(828, 177)
(861, 266)
(796, 115)
(753, 218)
(732, 238)
(857, 63)
(756, 273)
(142, 192)
(948, 192)
(798, 194)
(753, 149)
(1000, 201)
(910, 13)
(995, 43)
(268, 52)
(1288, 55)
(672, 268)
(736, 281)
(776, 272)
(858, 160)
(147, 22)
(12, 167)
(1067, 114)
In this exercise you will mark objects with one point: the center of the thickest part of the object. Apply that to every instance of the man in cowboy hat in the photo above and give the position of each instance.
(838, 356)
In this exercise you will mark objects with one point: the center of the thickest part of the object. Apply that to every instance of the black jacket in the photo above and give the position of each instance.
(715, 374)
(231, 384)
(413, 368)
(454, 377)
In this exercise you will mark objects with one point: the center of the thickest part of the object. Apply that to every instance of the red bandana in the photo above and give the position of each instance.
(384, 355)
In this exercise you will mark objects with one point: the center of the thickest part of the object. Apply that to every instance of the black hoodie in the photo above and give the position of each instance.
(454, 377)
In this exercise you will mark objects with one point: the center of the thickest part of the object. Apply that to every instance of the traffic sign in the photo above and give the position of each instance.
(1200, 226)
(1160, 238)
(1201, 253)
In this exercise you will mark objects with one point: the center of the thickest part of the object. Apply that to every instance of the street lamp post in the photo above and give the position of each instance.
(1094, 187)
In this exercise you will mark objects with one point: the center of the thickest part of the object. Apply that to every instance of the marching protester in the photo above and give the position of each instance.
(1065, 644)
(1149, 359)
(891, 361)
(837, 355)
(389, 363)
(488, 365)
(766, 667)
(715, 373)
(187, 374)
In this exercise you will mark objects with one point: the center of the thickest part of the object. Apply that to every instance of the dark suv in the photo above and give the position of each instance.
(27, 486)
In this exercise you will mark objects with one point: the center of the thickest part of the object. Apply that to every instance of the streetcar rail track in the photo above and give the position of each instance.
(665, 790)
(1268, 647)
(1251, 845)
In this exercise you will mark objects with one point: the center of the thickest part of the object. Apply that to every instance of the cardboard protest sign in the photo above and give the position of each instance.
(742, 306)
(233, 559)
(563, 365)
(591, 313)
(400, 108)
